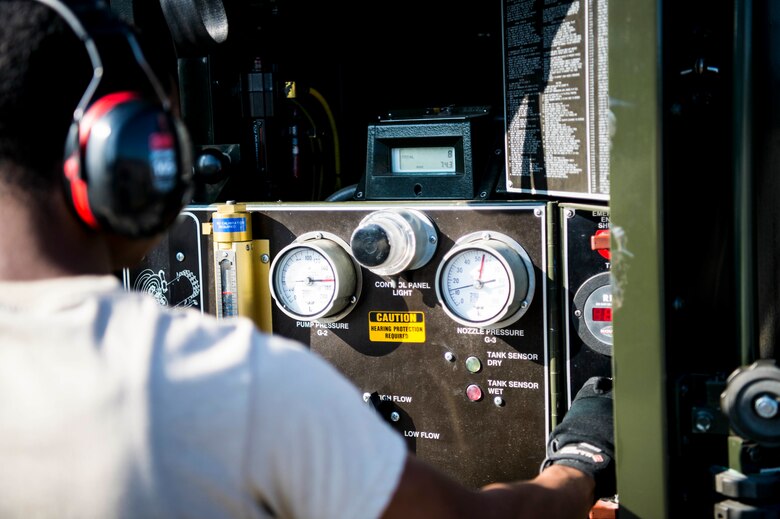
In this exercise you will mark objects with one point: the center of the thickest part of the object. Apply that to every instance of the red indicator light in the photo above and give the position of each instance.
(474, 393)
(602, 314)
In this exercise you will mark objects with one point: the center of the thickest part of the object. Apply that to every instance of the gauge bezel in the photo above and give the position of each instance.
(512, 257)
(347, 274)
(413, 237)
(582, 305)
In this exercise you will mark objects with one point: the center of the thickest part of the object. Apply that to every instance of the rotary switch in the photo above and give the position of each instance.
(390, 241)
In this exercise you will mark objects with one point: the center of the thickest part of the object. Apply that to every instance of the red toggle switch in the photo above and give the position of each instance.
(600, 243)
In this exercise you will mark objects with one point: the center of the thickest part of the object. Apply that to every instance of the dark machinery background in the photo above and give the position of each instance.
(363, 62)
(280, 109)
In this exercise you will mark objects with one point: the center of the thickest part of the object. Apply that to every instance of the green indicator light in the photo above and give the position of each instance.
(473, 364)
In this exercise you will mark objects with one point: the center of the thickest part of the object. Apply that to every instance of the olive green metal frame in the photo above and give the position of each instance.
(637, 258)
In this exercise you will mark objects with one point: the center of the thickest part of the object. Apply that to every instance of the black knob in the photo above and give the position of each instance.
(211, 166)
(370, 245)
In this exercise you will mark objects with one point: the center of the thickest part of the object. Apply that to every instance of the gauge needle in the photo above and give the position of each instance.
(481, 266)
(309, 281)
(475, 284)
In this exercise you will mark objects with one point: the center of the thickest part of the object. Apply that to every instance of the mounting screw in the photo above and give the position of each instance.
(264, 258)
(449, 356)
(366, 397)
(394, 416)
(498, 401)
(179, 256)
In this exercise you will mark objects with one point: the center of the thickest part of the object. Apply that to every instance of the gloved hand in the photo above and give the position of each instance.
(585, 438)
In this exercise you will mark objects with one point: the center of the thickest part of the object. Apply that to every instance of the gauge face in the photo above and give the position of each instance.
(593, 313)
(485, 280)
(228, 301)
(476, 285)
(598, 314)
(305, 282)
(315, 279)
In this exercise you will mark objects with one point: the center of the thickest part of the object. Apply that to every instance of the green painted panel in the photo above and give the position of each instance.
(635, 94)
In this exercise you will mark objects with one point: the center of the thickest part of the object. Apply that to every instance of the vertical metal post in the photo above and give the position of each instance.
(637, 258)
(744, 224)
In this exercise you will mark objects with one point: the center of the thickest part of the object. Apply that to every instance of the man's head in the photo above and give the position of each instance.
(66, 139)
(127, 168)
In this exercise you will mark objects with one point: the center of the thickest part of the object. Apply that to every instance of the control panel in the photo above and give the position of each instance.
(437, 311)
(587, 292)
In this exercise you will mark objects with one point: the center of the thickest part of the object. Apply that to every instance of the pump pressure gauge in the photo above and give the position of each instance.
(486, 280)
(315, 279)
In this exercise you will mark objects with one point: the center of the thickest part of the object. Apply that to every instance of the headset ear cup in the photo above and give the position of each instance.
(76, 191)
(134, 168)
(124, 168)
(76, 173)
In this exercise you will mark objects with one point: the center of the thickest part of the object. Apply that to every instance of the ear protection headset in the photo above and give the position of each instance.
(127, 166)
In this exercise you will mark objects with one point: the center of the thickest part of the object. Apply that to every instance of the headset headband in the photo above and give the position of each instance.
(87, 38)
(127, 166)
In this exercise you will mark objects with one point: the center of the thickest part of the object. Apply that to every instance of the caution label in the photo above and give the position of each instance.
(396, 326)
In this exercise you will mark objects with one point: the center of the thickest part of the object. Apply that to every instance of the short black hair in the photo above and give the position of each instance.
(44, 71)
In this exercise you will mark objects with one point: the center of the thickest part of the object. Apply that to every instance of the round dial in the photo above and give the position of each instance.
(392, 240)
(314, 279)
(593, 313)
(485, 281)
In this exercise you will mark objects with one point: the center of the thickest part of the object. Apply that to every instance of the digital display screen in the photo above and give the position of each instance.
(430, 159)
(602, 314)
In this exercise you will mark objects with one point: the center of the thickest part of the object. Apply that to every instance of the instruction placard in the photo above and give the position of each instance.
(557, 101)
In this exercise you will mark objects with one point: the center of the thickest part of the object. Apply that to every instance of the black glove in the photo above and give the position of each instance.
(584, 439)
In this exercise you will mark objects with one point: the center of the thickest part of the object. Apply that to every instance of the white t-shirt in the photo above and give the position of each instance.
(111, 406)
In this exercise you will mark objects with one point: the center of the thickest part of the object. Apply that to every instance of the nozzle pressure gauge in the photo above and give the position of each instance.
(315, 279)
(486, 280)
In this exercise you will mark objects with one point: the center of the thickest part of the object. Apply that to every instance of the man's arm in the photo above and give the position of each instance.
(423, 492)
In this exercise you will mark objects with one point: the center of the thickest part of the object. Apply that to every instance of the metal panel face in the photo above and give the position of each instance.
(588, 298)
(173, 273)
(472, 399)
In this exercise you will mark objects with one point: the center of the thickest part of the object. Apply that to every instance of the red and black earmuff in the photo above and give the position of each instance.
(128, 164)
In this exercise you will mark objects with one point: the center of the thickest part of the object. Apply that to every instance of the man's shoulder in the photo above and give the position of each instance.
(189, 335)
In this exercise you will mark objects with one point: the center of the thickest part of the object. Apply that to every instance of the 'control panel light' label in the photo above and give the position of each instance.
(396, 326)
